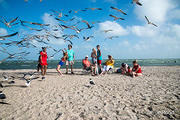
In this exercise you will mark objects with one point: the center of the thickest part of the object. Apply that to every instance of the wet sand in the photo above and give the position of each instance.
(153, 96)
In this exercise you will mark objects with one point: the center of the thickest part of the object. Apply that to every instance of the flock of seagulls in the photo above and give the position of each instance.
(44, 33)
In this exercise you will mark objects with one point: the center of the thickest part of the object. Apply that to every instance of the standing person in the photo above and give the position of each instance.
(63, 60)
(94, 60)
(99, 57)
(70, 59)
(39, 65)
(43, 62)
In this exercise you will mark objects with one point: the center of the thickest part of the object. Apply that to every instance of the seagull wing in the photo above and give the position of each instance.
(154, 24)
(9, 35)
(147, 19)
(13, 20)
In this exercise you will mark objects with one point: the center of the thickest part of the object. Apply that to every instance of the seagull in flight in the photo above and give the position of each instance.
(119, 10)
(150, 22)
(106, 31)
(137, 2)
(116, 18)
(88, 38)
(10, 23)
(10, 35)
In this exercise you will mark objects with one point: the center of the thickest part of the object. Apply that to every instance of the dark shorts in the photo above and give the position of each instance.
(88, 68)
(61, 63)
(39, 65)
(99, 62)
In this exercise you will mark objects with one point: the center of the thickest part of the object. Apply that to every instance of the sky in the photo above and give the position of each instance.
(136, 39)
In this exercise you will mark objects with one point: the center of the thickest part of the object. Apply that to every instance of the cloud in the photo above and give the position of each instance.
(47, 19)
(118, 30)
(155, 10)
(144, 31)
(3, 31)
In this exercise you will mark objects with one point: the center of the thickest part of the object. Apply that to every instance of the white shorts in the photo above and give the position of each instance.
(107, 68)
(69, 62)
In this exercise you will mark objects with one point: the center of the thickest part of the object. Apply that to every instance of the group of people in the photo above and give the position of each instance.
(95, 66)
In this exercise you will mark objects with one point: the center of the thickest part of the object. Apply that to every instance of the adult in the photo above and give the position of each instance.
(136, 70)
(94, 60)
(109, 64)
(43, 62)
(99, 57)
(70, 59)
(87, 65)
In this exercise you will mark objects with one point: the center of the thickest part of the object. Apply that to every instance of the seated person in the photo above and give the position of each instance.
(136, 70)
(109, 64)
(124, 69)
(86, 64)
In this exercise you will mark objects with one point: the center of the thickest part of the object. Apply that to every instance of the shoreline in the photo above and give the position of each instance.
(80, 68)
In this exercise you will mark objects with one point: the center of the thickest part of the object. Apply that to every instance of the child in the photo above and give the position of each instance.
(63, 60)
(124, 69)
(136, 70)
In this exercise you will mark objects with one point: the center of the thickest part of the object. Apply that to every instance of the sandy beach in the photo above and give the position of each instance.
(153, 96)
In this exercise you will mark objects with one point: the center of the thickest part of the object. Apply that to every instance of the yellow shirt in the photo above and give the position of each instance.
(110, 63)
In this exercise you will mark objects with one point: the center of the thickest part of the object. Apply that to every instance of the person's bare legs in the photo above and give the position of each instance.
(45, 68)
(58, 69)
(100, 66)
(42, 70)
(138, 74)
(95, 68)
(72, 68)
(92, 72)
(67, 69)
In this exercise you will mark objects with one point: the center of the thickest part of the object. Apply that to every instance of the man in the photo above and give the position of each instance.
(99, 57)
(70, 59)
(87, 65)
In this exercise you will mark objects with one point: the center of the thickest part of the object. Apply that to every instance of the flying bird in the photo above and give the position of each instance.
(88, 38)
(69, 41)
(119, 10)
(89, 27)
(70, 36)
(111, 37)
(10, 23)
(150, 22)
(93, 8)
(137, 2)
(34, 23)
(116, 18)
(10, 35)
(106, 31)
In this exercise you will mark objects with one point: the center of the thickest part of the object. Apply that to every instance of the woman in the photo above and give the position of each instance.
(136, 70)
(43, 62)
(109, 64)
(94, 60)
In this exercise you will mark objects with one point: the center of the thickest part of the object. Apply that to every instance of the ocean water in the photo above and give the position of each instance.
(31, 64)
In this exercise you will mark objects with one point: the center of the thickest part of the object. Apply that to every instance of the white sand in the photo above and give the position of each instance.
(153, 96)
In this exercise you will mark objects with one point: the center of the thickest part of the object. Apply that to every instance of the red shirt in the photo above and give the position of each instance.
(136, 67)
(86, 63)
(44, 58)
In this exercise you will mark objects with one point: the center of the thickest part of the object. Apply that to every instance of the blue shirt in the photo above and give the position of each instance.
(98, 53)
(70, 55)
